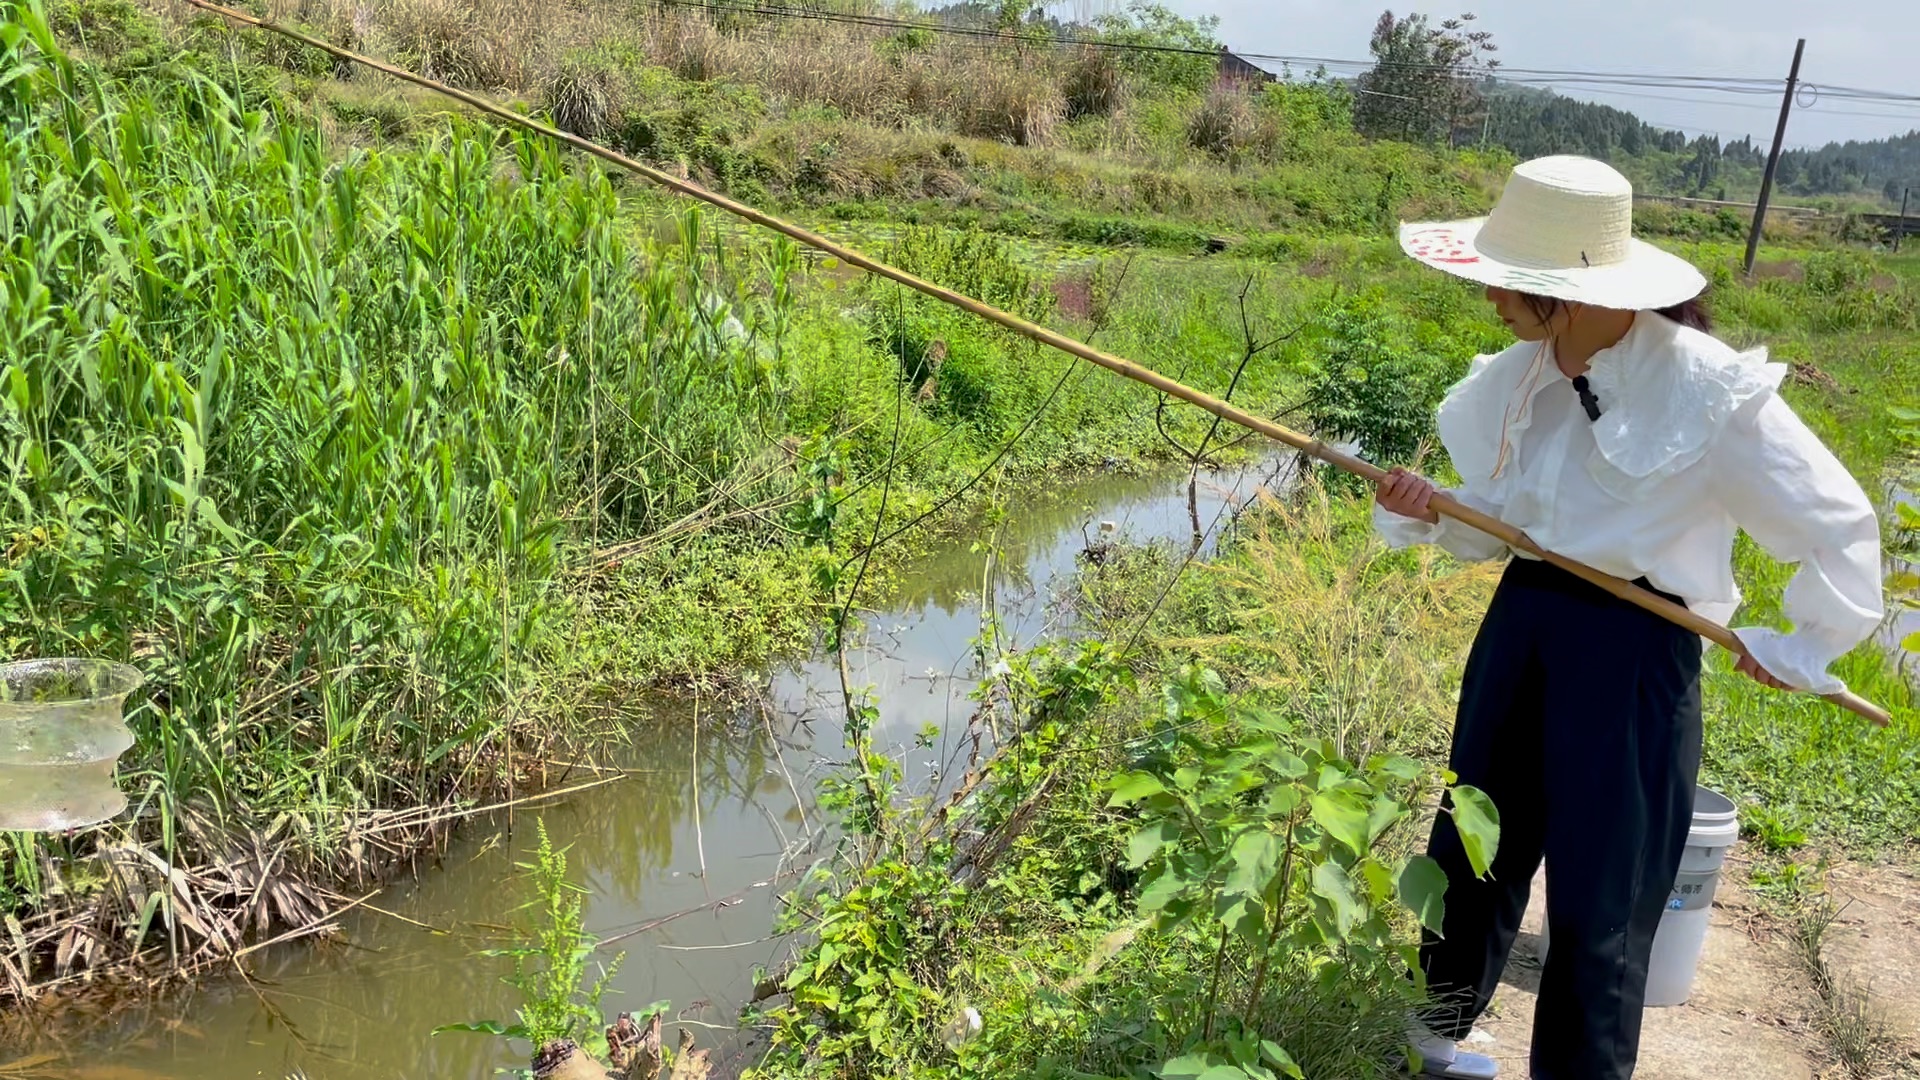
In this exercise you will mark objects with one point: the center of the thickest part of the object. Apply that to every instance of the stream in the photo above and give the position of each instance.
(687, 853)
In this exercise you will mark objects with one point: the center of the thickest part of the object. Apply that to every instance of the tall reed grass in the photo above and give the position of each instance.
(312, 441)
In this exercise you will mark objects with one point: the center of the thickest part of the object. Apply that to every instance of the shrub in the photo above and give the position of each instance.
(586, 95)
(1223, 124)
(1368, 386)
(1181, 54)
(1832, 273)
(104, 27)
(1094, 84)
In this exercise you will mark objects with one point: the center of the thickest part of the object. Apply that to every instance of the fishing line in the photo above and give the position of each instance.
(1314, 447)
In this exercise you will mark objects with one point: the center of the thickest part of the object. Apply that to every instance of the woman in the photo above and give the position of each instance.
(1620, 433)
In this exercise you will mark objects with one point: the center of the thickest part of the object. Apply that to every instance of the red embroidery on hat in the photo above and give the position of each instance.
(1441, 245)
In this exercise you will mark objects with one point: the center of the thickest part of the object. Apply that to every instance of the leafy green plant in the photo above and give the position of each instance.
(1272, 845)
(559, 1000)
(1369, 385)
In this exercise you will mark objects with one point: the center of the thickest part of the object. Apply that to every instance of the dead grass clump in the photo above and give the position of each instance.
(1365, 647)
(690, 47)
(1018, 105)
(1094, 84)
(478, 44)
(1223, 125)
(585, 95)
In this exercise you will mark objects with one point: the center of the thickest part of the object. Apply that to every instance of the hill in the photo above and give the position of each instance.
(1529, 122)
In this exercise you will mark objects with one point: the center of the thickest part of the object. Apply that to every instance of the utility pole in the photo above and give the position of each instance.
(1900, 229)
(1773, 156)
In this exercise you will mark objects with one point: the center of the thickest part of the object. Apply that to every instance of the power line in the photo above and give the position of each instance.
(1592, 82)
(1747, 85)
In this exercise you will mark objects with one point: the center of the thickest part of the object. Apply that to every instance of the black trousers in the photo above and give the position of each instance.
(1580, 718)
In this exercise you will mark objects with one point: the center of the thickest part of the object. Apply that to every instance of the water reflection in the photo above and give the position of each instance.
(684, 856)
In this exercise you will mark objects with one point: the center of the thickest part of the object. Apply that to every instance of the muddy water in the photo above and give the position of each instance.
(687, 853)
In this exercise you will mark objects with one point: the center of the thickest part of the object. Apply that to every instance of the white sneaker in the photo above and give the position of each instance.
(1443, 1057)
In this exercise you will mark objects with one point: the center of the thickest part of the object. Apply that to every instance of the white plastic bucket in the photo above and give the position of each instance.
(1683, 926)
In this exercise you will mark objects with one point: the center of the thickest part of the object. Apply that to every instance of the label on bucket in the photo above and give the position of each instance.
(1692, 890)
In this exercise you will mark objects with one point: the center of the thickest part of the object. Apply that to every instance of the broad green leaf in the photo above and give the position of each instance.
(1186, 1067)
(1255, 857)
(1283, 800)
(1478, 822)
(1331, 883)
(1281, 1060)
(1344, 817)
(1133, 786)
(1159, 892)
(1287, 763)
(1423, 887)
(486, 1027)
(1397, 766)
(1379, 880)
(1385, 811)
(1267, 720)
(1911, 642)
(1148, 841)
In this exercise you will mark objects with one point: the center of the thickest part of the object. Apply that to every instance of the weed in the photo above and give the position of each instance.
(550, 965)
(1855, 1032)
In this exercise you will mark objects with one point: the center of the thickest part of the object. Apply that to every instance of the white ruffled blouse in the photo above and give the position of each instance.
(1693, 442)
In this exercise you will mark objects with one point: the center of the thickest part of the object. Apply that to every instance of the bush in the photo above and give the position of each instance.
(586, 95)
(1094, 84)
(1833, 273)
(1368, 386)
(1223, 124)
(104, 27)
(1151, 24)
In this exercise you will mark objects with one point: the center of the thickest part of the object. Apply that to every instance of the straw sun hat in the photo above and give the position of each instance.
(1562, 228)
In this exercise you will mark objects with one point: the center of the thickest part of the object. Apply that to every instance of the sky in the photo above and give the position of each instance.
(1868, 44)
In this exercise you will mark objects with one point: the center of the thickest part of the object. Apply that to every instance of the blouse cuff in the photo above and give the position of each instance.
(1400, 531)
(1799, 660)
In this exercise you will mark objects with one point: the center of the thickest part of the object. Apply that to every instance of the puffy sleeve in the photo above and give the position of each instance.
(1462, 541)
(1791, 494)
(1468, 422)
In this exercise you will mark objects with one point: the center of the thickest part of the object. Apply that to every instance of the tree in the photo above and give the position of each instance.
(1191, 69)
(1426, 82)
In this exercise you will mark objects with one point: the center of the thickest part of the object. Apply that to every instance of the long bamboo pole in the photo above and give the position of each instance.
(1620, 587)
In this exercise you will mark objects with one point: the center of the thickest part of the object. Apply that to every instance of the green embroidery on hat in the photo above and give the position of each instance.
(1529, 280)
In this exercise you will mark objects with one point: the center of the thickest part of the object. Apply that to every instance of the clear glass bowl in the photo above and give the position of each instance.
(61, 730)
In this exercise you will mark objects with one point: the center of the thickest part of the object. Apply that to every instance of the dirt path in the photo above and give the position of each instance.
(1755, 1013)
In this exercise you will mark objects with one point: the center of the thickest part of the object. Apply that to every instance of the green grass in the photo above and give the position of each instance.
(380, 442)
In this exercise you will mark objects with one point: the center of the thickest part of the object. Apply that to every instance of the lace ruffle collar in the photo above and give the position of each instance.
(1665, 392)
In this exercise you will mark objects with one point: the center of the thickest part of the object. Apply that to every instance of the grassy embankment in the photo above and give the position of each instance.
(540, 434)
(396, 466)
(1098, 940)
